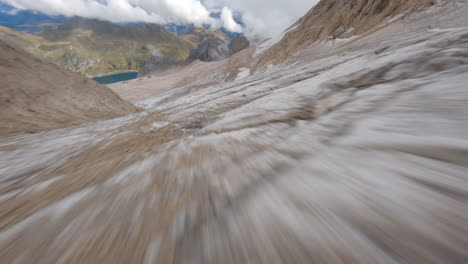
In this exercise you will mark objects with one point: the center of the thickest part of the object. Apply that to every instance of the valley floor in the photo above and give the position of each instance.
(353, 151)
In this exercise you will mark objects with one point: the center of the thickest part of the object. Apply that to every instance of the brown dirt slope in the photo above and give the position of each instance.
(37, 96)
(337, 18)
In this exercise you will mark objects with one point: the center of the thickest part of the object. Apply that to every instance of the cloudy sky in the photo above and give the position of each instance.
(262, 18)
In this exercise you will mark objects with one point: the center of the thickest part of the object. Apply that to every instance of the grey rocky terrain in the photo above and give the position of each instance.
(351, 150)
(211, 48)
(214, 49)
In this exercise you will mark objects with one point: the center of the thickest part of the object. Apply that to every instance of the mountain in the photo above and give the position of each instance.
(6, 8)
(209, 45)
(197, 35)
(338, 19)
(210, 49)
(94, 47)
(237, 44)
(36, 95)
(213, 49)
(179, 29)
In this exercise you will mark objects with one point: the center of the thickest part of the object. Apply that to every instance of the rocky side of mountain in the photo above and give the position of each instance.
(197, 35)
(238, 44)
(213, 49)
(37, 96)
(210, 49)
(338, 19)
(96, 48)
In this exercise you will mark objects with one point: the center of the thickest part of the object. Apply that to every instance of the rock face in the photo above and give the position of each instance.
(337, 18)
(37, 96)
(238, 44)
(195, 36)
(213, 49)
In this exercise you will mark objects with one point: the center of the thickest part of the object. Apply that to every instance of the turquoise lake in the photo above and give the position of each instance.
(113, 78)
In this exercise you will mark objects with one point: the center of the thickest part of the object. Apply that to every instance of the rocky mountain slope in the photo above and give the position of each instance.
(350, 151)
(196, 37)
(338, 19)
(37, 96)
(211, 48)
(94, 47)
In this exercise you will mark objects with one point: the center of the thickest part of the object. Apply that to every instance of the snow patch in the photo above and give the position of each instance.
(243, 73)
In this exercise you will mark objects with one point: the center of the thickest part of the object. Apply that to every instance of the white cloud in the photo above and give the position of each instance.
(228, 21)
(261, 17)
(265, 18)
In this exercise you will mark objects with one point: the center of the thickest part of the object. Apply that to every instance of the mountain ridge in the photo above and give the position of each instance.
(335, 19)
(96, 48)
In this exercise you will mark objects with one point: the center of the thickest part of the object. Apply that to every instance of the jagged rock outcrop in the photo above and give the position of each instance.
(238, 44)
(337, 18)
(37, 96)
(213, 49)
